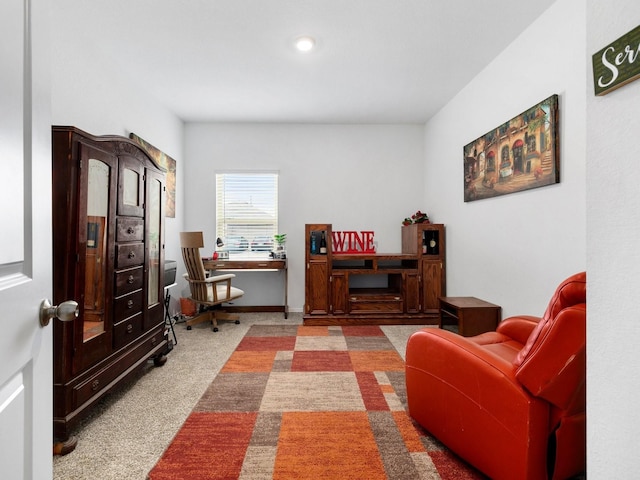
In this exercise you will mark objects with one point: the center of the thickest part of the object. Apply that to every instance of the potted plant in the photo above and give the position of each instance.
(281, 240)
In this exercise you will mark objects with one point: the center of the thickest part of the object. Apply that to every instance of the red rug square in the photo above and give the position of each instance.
(208, 446)
(267, 343)
(304, 361)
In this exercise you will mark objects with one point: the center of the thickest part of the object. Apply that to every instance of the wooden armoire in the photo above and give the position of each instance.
(108, 256)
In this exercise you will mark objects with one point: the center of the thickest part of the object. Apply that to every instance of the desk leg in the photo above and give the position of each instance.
(286, 292)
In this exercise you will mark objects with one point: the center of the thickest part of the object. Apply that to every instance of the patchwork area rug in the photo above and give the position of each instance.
(316, 402)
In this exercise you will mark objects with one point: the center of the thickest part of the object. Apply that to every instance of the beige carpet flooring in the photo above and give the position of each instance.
(128, 431)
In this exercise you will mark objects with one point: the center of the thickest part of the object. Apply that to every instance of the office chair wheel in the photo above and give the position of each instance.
(215, 329)
(188, 327)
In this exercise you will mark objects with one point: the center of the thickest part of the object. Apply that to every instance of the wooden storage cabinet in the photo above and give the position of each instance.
(318, 296)
(108, 246)
(376, 288)
(317, 293)
(427, 241)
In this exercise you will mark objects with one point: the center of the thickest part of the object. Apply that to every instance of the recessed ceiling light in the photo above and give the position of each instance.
(305, 44)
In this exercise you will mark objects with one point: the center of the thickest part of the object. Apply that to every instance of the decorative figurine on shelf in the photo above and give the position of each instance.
(418, 217)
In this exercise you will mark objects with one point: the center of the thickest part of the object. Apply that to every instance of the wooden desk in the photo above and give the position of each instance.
(266, 265)
(472, 315)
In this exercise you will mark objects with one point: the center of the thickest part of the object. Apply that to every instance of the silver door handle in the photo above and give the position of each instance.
(66, 311)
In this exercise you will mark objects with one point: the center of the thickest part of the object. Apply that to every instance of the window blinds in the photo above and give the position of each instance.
(246, 209)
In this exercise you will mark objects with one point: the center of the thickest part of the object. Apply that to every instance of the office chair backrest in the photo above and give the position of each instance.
(191, 243)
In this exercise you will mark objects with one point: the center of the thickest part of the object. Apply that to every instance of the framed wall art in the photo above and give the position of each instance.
(169, 164)
(520, 154)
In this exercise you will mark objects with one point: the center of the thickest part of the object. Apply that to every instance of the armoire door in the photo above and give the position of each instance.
(94, 266)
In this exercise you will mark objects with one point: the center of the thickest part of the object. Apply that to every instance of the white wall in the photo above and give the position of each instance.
(90, 91)
(613, 234)
(356, 177)
(513, 250)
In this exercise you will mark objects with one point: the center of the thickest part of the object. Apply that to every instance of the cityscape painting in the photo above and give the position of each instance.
(169, 164)
(521, 154)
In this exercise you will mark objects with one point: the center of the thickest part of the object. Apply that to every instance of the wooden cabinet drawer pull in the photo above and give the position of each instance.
(130, 279)
(95, 384)
(132, 255)
(129, 303)
(130, 230)
(129, 328)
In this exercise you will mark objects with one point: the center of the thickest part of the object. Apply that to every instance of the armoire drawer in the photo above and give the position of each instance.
(129, 280)
(129, 255)
(127, 331)
(129, 229)
(127, 305)
(118, 367)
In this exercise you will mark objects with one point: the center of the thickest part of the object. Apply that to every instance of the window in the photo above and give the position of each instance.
(247, 210)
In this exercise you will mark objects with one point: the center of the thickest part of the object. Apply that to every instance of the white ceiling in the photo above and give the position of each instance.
(377, 61)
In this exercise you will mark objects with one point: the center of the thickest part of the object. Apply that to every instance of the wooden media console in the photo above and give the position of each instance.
(376, 288)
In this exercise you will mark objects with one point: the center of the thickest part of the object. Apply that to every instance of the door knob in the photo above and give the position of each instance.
(66, 311)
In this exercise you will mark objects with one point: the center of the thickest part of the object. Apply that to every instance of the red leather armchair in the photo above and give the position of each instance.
(510, 402)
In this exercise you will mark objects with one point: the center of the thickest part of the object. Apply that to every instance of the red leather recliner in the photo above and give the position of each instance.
(512, 402)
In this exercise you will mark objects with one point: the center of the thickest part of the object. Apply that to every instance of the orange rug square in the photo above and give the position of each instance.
(242, 361)
(328, 445)
(376, 361)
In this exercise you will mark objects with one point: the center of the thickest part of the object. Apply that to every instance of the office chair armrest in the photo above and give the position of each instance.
(219, 278)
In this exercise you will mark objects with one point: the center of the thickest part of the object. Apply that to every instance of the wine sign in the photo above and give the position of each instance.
(353, 242)
(618, 63)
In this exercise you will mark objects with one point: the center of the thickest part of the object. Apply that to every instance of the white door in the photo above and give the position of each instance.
(25, 241)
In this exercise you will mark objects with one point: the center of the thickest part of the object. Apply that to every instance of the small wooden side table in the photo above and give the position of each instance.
(473, 316)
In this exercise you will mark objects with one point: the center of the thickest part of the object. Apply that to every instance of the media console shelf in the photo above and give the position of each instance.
(378, 288)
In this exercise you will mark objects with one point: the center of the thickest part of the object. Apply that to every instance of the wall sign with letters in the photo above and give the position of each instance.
(618, 63)
(349, 242)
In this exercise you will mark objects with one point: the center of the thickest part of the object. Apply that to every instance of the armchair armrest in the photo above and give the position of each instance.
(444, 353)
(519, 328)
